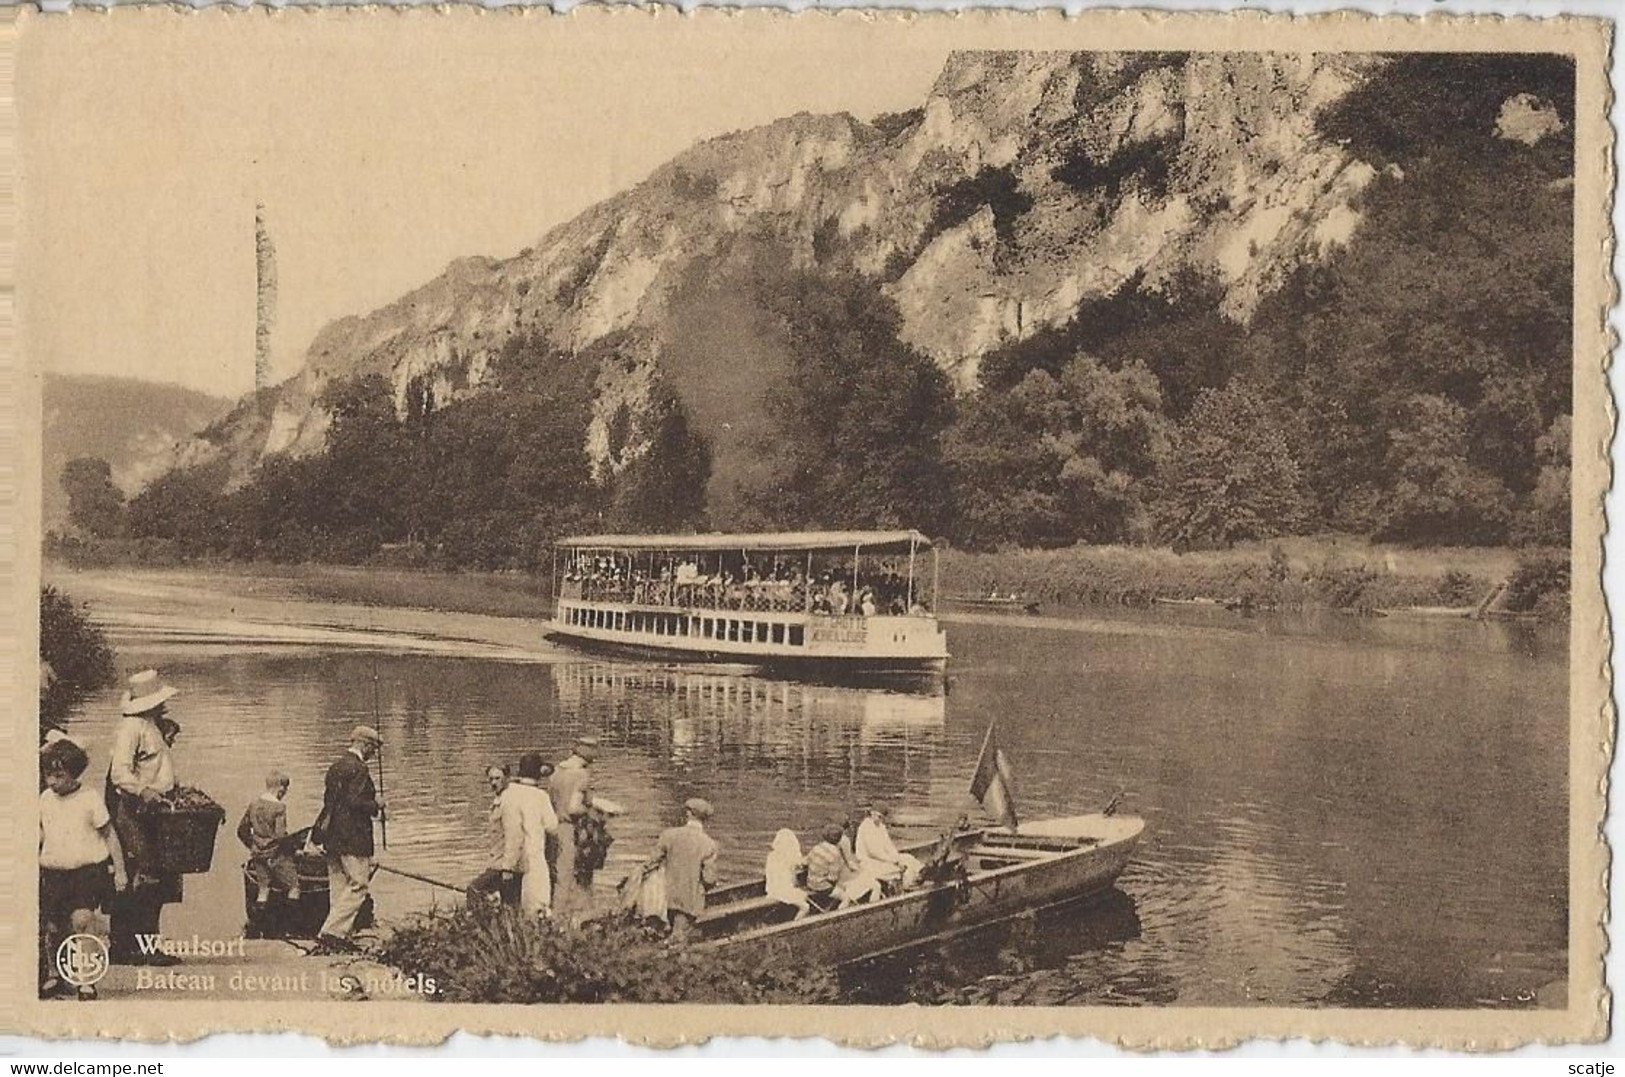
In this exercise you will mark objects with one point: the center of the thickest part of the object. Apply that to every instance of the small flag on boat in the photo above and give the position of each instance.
(992, 784)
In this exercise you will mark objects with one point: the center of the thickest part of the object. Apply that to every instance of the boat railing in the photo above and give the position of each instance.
(765, 596)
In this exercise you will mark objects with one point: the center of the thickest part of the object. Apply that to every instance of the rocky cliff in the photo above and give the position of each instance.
(1023, 186)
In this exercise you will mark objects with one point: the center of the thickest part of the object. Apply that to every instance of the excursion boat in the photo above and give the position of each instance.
(1038, 865)
(842, 602)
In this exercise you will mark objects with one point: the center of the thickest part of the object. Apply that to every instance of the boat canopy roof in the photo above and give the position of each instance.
(875, 541)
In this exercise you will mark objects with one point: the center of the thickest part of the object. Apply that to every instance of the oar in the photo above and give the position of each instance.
(377, 723)
(421, 878)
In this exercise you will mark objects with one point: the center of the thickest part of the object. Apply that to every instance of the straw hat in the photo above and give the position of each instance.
(365, 733)
(698, 807)
(146, 692)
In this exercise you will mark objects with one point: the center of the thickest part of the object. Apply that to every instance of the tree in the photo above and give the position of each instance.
(1230, 474)
(1545, 519)
(1439, 496)
(186, 506)
(664, 488)
(372, 482)
(75, 659)
(95, 504)
(856, 425)
(1056, 460)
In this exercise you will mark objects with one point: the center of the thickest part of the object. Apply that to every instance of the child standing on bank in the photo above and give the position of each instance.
(78, 850)
(264, 830)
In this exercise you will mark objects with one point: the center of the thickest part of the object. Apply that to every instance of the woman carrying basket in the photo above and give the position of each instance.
(140, 772)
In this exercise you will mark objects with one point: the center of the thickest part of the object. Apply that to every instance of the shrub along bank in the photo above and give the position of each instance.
(495, 955)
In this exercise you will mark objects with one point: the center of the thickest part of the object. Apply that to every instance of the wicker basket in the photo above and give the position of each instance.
(186, 838)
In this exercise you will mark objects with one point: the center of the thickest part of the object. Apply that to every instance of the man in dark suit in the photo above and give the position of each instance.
(344, 830)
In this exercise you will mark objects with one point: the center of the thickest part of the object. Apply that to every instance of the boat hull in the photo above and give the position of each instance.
(839, 670)
(934, 913)
(794, 642)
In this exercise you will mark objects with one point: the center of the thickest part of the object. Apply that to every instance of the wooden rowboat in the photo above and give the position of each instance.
(996, 602)
(1042, 864)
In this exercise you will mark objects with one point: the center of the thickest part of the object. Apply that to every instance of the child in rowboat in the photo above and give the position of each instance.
(783, 863)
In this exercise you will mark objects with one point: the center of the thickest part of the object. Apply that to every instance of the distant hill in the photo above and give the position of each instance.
(134, 425)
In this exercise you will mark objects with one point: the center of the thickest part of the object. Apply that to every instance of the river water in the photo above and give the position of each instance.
(1340, 811)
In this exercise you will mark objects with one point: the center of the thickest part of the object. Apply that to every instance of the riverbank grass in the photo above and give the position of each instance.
(1297, 573)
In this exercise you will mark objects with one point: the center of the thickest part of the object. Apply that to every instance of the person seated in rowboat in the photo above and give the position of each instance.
(858, 875)
(878, 854)
(833, 880)
(784, 863)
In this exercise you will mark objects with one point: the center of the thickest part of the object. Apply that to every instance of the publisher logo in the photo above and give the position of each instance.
(81, 960)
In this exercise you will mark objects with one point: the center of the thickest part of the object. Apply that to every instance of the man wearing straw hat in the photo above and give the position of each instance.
(139, 773)
(344, 830)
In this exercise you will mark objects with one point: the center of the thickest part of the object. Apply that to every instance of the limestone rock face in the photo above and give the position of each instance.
(1102, 168)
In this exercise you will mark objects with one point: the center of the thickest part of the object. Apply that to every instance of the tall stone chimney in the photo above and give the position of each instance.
(264, 300)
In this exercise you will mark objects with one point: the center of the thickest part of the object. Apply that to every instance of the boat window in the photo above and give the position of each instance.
(733, 630)
(798, 635)
(705, 627)
(778, 632)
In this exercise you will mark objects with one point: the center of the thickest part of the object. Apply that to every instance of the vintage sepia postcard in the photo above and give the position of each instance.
(890, 527)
